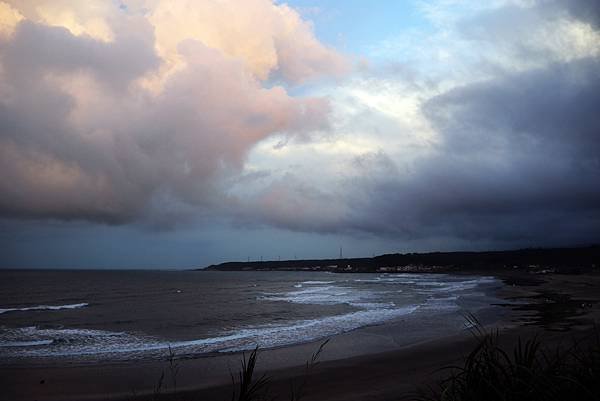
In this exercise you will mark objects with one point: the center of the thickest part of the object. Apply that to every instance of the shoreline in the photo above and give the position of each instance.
(373, 366)
(208, 375)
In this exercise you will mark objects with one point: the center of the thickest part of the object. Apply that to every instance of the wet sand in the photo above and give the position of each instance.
(366, 364)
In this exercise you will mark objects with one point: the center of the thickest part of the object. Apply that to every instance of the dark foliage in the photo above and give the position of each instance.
(528, 372)
(250, 389)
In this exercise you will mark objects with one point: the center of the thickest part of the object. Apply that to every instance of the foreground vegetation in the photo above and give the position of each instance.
(528, 371)
(490, 372)
(245, 385)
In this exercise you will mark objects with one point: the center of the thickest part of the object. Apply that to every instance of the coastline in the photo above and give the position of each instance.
(558, 306)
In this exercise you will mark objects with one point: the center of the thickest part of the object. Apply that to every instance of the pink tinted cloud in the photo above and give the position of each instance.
(82, 138)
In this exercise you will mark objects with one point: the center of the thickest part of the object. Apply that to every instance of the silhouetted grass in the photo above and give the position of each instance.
(298, 390)
(250, 389)
(245, 386)
(527, 372)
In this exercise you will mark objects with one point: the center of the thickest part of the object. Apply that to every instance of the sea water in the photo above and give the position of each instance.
(124, 315)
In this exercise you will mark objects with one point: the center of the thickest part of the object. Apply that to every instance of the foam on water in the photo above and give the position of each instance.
(38, 342)
(44, 307)
(63, 342)
(372, 301)
(320, 295)
(8, 344)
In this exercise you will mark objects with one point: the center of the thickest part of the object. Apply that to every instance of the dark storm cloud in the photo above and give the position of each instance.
(550, 111)
(585, 10)
(518, 162)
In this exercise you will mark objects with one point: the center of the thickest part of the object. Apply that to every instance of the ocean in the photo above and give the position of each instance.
(130, 315)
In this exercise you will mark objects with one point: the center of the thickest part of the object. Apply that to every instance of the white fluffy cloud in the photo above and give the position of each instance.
(111, 111)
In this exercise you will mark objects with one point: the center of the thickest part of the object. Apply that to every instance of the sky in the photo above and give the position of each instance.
(176, 134)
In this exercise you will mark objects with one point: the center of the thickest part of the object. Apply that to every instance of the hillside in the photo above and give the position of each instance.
(535, 259)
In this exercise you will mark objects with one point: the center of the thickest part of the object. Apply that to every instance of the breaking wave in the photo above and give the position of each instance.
(44, 307)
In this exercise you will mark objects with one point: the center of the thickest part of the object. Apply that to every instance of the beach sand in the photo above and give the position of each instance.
(366, 364)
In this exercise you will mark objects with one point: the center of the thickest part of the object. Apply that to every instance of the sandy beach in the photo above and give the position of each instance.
(365, 364)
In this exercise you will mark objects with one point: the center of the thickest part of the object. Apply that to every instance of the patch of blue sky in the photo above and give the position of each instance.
(353, 26)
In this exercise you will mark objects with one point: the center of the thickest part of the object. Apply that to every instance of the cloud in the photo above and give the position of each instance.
(9, 18)
(292, 203)
(505, 156)
(281, 44)
(517, 38)
(585, 10)
(158, 111)
(35, 50)
(517, 163)
(96, 123)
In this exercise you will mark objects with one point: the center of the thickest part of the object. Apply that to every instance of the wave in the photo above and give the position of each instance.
(372, 300)
(10, 344)
(37, 342)
(321, 295)
(44, 307)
